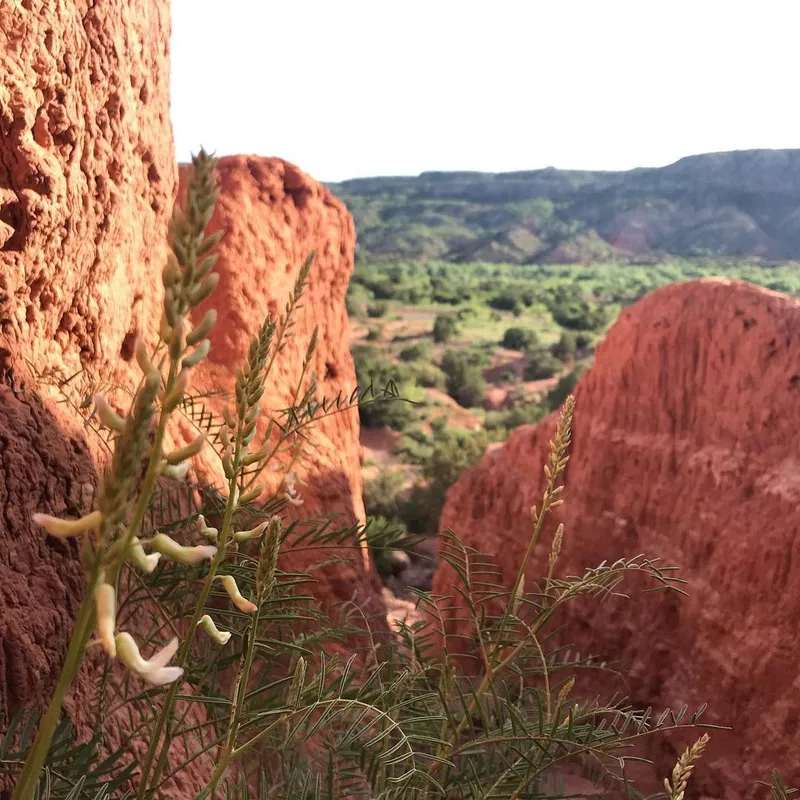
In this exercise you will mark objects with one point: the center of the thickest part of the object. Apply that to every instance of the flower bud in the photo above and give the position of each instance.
(252, 494)
(207, 531)
(202, 329)
(201, 351)
(218, 636)
(155, 670)
(229, 583)
(107, 415)
(170, 402)
(66, 528)
(253, 533)
(143, 562)
(169, 548)
(143, 358)
(189, 450)
(176, 471)
(228, 417)
(106, 601)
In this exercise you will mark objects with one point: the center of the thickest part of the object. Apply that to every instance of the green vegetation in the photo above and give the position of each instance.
(736, 205)
(444, 328)
(517, 338)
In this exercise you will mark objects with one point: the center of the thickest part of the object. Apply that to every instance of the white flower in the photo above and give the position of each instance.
(220, 637)
(244, 605)
(155, 670)
(290, 490)
(204, 528)
(107, 415)
(66, 528)
(253, 533)
(106, 600)
(168, 547)
(141, 561)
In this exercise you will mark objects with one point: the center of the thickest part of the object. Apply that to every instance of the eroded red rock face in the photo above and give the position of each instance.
(87, 181)
(685, 447)
(87, 176)
(274, 216)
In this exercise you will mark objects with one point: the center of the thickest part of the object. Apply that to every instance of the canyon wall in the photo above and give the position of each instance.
(87, 184)
(685, 447)
(87, 179)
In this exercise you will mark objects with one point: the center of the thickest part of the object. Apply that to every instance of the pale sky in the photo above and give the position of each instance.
(352, 88)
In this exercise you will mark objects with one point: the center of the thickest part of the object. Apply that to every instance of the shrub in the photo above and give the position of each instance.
(519, 339)
(414, 352)
(565, 386)
(454, 452)
(583, 340)
(430, 376)
(565, 348)
(373, 335)
(464, 382)
(382, 495)
(375, 310)
(506, 300)
(445, 327)
(541, 364)
(372, 368)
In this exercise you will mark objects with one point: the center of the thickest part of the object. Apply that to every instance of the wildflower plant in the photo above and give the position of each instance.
(229, 662)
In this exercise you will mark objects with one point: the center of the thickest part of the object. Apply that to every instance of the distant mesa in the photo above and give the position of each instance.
(743, 204)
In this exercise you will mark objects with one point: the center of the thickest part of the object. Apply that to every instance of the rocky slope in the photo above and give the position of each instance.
(87, 183)
(744, 203)
(685, 445)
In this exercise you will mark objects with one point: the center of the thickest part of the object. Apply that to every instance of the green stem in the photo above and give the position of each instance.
(84, 625)
(169, 700)
(226, 756)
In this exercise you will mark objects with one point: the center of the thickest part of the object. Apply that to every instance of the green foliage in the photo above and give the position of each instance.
(517, 338)
(506, 300)
(525, 410)
(378, 309)
(373, 335)
(373, 369)
(382, 495)
(575, 311)
(445, 327)
(565, 387)
(465, 383)
(414, 352)
(541, 364)
(566, 347)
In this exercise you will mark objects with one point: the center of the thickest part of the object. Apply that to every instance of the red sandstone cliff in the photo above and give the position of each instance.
(274, 216)
(685, 447)
(87, 181)
(87, 177)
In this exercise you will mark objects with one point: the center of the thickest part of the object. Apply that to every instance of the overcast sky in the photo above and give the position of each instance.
(350, 88)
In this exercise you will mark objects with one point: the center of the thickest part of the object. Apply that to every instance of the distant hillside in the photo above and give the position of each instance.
(743, 203)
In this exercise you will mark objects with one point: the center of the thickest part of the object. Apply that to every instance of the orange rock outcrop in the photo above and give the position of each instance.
(686, 447)
(87, 184)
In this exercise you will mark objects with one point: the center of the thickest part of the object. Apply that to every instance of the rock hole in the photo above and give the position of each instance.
(794, 381)
(330, 371)
(152, 174)
(748, 323)
(14, 216)
(128, 345)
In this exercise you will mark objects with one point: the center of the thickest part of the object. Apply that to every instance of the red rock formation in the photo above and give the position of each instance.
(87, 176)
(685, 447)
(87, 180)
(274, 216)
